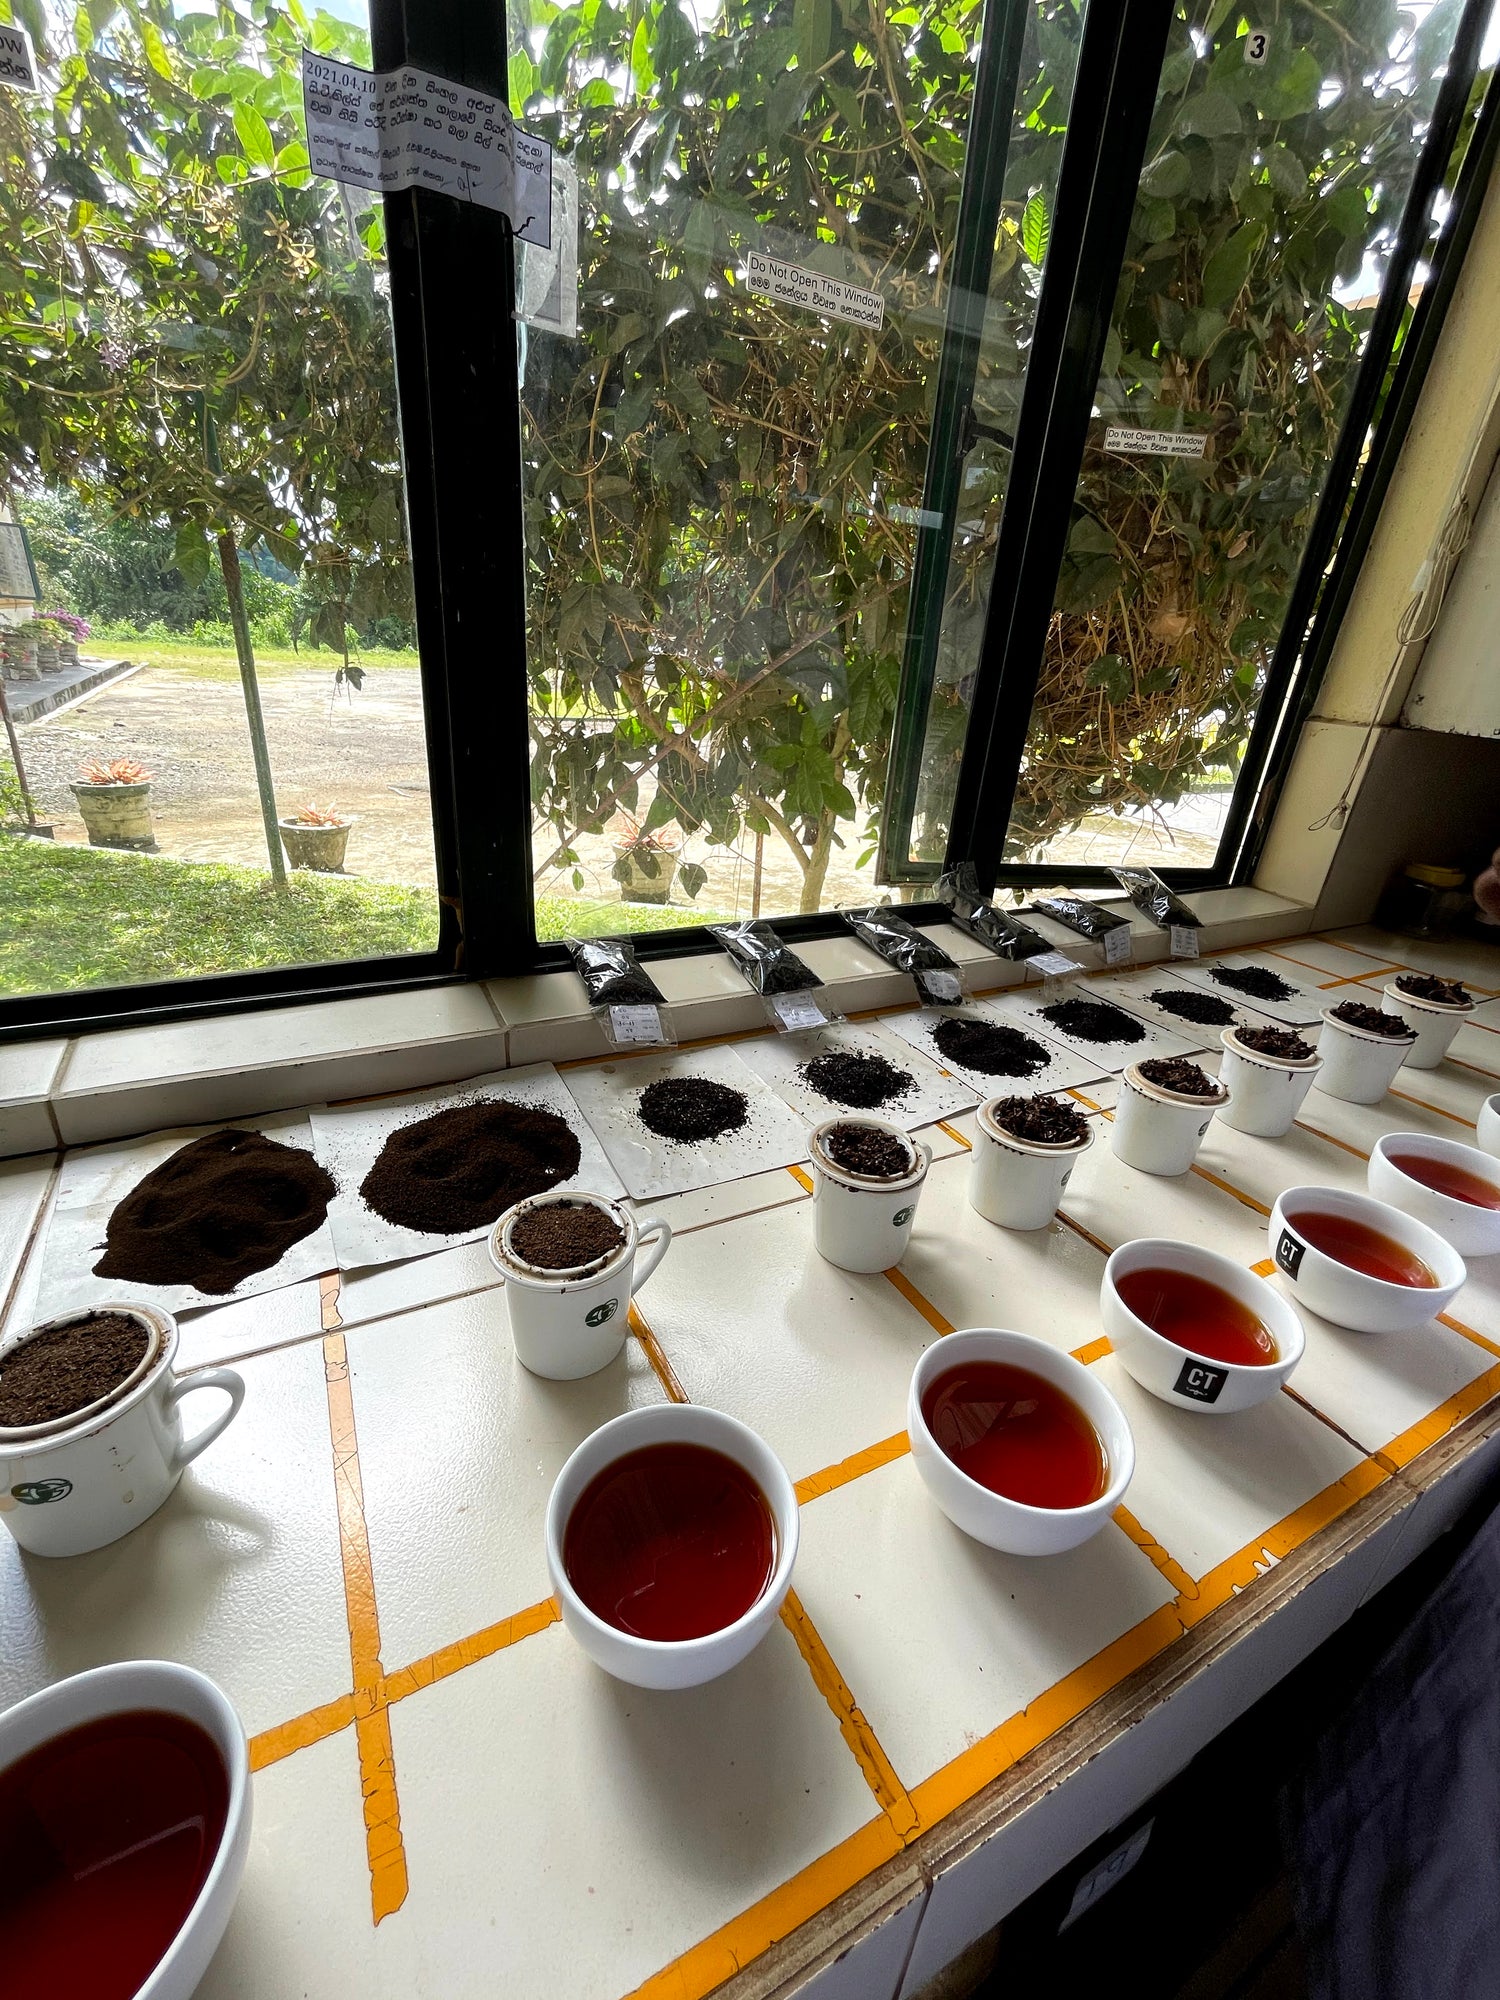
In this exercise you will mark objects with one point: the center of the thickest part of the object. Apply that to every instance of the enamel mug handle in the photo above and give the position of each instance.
(207, 1378)
(657, 1226)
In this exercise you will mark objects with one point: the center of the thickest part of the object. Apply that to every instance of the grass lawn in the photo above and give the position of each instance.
(202, 662)
(71, 916)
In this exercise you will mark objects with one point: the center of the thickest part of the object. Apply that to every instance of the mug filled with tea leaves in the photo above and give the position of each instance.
(569, 1265)
(867, 1176)
(91, 1441)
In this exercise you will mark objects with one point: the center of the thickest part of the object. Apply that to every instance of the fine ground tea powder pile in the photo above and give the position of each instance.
(1256, 981)
(562, 1234)
(691, 1109)
(1423, 986)
(865, 1149)
(863, 1082)
(1374, 1020)
(989, 1047)
(230, 1204)
(1278, 1042)
(1046, 1121)
(1207, 1009)
(68, 1367)
(461, 1167)
(1093, 1021)
(1176, 1073)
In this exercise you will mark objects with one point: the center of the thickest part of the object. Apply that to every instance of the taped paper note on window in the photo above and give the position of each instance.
(17, 59)
(1156, 444)
(814, 291)
(401, 128)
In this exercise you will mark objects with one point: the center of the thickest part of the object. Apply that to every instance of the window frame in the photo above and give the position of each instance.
(460, 417)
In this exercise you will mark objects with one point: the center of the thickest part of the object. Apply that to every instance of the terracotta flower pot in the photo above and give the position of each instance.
(320, 848)
(117, 815)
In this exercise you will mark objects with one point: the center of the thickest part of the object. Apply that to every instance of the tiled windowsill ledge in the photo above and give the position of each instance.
(130, 1080)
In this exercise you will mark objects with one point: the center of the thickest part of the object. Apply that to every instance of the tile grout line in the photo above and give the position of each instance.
(879, 1772)
(665, 1373)
(33, 1235)
(384, 1849)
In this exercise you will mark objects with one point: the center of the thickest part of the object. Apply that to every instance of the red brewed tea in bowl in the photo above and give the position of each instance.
(107, 1835)
(1443, 1177)
(1362, 1248)
(672, 1541)
(1016, 1433)
(1198, 1315)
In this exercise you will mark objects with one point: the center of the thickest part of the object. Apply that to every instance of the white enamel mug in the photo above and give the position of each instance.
(860, 1223)
(72, 1490)
(569, 1323)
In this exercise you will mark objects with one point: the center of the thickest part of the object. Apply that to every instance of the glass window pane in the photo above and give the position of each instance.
(725, 463)
(1260, 240)
(199, 418)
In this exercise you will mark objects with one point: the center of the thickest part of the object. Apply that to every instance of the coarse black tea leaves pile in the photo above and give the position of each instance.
(1177, 1074)
(1256, 982)
(853, 1077)
(220, 1209)
(1093, 1021)
(1424, 986)
(1278, 1042)
(1209, 1010)
(866, 1150)
(992, 1048)
(460, 1168)
(1045, 1121)
(691, 1109)
(1374, 1020)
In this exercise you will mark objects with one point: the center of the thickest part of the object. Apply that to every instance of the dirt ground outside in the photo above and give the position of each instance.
(365, 751)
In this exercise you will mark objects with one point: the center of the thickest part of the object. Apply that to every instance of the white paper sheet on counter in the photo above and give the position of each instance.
(1301, 1009)
(1109, 1058)
(1133, 990)
(96, 1179)
(349, 1138)
(1066, 1069)
(609, 1093)
(780, 1061)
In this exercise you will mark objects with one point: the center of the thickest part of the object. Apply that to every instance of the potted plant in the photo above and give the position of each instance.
(316, 838)
(73, 630)
(645, 859)
(49, 636)
(20, 651)
(115, 800)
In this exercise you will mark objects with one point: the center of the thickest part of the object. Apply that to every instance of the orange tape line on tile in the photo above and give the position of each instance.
(1093, 1350)
(1437, 1423)
(1342, 1144)
(880, 1774)
(1229, 1187)
(1088, 1235)
(974, 1768)
(1155, 1554)
(913, 1297)
(798, 1174)
(301, 1732)
(666, 1374)
(774, 1917)
(954, 1133)
(1407, 1098)
(832, 1477)
(466, 1652)
(1264, 1268)
(1468, 1332)
(329, 1287)
(377, 1771)
(1238, 1571)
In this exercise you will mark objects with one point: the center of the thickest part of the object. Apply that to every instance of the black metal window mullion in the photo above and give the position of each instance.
(1109, 121)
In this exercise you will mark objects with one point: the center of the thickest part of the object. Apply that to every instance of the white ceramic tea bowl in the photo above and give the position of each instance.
(1488, 1134)
(1176, 1374)
(672, 1663)
(991, 1518)
(1352, 1298)
(1473, 1231)
(162, 1685)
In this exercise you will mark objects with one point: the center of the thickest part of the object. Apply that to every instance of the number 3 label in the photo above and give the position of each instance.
(1257, 46)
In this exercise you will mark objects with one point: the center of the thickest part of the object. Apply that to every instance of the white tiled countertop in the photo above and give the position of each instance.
(450, 1800)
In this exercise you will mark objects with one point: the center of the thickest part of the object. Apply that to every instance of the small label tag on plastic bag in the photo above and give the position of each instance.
(1117, 946)
(1054, 964)
(636, 1024)
(796, 1010)
(941, 985)
(1184, 941)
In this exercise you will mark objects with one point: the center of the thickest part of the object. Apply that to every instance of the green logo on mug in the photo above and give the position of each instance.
(902, 1216)
(37, 1492)
(601, 1313)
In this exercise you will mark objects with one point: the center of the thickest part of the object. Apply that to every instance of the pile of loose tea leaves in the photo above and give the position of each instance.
(69, 1367)
(560, 1235)
(220, 1209)
(865, 1149)
(1424, 986)
(1207, 1009)
(1374, 1020)
(1045, 1121)
(1093, 1021)
(989, 1047)
(1257, 982)
(460, 1168)
(691, 1109)
(862, 1081)
(1278, 1042)
(1177, 1074)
